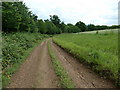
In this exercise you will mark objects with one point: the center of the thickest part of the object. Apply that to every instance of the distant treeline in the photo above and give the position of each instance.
(16, 17)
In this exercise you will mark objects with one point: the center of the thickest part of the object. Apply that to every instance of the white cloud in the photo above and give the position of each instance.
(102, 12)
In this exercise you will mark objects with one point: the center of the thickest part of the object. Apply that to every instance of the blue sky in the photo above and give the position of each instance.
(98, 12)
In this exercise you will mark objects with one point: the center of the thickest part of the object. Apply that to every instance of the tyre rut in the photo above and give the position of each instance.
(36, 71)
(82, 76)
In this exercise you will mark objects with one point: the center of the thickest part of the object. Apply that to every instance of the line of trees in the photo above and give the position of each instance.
(16, 17)
(92, 27)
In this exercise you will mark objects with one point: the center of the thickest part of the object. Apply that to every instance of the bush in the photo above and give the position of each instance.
(15, 45)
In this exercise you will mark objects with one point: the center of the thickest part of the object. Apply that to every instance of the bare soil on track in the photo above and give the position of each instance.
(37, 71)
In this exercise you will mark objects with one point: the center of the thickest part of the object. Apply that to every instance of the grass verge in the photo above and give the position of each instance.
(65, 80)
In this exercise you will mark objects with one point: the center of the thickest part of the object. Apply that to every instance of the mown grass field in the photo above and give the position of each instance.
(102, 31)
(15, 48)
(100, 50)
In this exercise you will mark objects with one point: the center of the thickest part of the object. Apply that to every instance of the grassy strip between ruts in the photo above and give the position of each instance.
(65, 80)
(14, 55)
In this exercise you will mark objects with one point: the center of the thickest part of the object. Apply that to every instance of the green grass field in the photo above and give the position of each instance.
(102, 31)
(100, 50)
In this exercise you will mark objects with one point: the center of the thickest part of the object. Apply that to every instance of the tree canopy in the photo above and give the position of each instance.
(82, 26)
(16, 17)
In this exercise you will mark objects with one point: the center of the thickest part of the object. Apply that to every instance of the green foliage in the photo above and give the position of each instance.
(72, 29)
(114, 26)
(51, 28)
(63, 27)
(41, 27)
(17, 17)
(82, 26)
(10, 17)
(65, 80)
(55, 19)
(99, 50)
(91, 27)
(15, 48)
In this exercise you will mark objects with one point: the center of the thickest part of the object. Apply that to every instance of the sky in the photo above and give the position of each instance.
(98, 12)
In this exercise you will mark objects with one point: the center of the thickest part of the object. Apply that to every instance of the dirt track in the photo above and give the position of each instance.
(37, 71)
